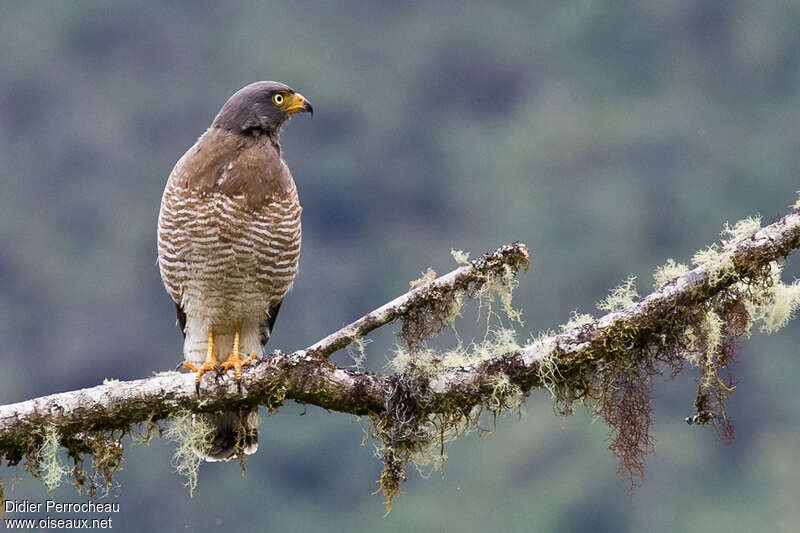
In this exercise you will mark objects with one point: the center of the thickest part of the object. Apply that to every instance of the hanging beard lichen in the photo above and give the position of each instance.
(415, 426)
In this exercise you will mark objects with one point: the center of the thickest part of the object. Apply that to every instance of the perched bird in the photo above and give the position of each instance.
(229, 241)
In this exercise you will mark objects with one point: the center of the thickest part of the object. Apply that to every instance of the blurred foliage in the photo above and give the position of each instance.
(608, 136)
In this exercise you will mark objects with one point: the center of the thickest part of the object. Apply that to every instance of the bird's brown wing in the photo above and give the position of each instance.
(265, 328)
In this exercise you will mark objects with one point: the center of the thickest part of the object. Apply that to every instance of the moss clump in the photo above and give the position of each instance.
(357, 351)
(718, 260)
(143, 433)
(668, 272)
(44, 449)
(430, 361)
(193, 436)
(49, 468)
(614, 371)
(416, 424)
(414, 429)
(246, 430)
(42, 458)
(107, 455)
(427, 277)
(105, 448)
(620, 297)
(505, 395)
(576, 320)
(442, 306)
(719, 264)
(741, 230)
(500, 285)
(459, 256)
(441, 309)
(780, 303)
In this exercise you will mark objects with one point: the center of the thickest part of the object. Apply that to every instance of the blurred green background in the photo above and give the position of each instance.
(608, 136)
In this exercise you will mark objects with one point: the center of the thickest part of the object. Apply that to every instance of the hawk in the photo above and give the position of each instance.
(229, 241)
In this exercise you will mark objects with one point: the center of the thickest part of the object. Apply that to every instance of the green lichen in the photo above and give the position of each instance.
(620, 297)
(741, 230)
(107, 455)
(704, 338)
(613, 372)
(576, 320)
(785, 301)
(415, 429)
(193, 436)
(357, 350)
(718, 259)
(459, 256)
(441, 308)
(51, 470)
(772, 303)
(668, 272)
(549, 374)
(441, 305)
(505, 395)
(718, 263)
(498, 341)
(143, 433)
(47, 449)
(427, 277)
(500, 286)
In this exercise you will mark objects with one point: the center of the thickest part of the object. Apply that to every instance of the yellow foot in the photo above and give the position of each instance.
(235, 362)
(210, 364)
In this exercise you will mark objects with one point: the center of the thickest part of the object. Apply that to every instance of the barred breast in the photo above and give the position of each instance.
(228, 253)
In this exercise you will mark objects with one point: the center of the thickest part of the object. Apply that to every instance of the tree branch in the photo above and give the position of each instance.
(608, 360)
(305, 375)
(649, 316)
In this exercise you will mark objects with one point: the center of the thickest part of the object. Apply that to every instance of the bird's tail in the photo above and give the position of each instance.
(236, 432)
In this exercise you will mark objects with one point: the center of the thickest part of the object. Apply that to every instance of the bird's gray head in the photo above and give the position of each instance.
(260, 107)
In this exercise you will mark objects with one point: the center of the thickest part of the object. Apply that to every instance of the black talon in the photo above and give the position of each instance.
(180, 365)
(197, 388)
(239, 385)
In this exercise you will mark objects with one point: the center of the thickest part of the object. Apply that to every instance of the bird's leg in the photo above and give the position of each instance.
(234, 361)
(210, 364)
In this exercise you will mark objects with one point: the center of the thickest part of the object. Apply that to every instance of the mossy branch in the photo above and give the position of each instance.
(466, 279)
(305, 376)
(607, 362)
(695, 318)
(750, 259)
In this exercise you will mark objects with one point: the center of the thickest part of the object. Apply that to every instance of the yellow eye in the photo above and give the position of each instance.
(277, 99)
